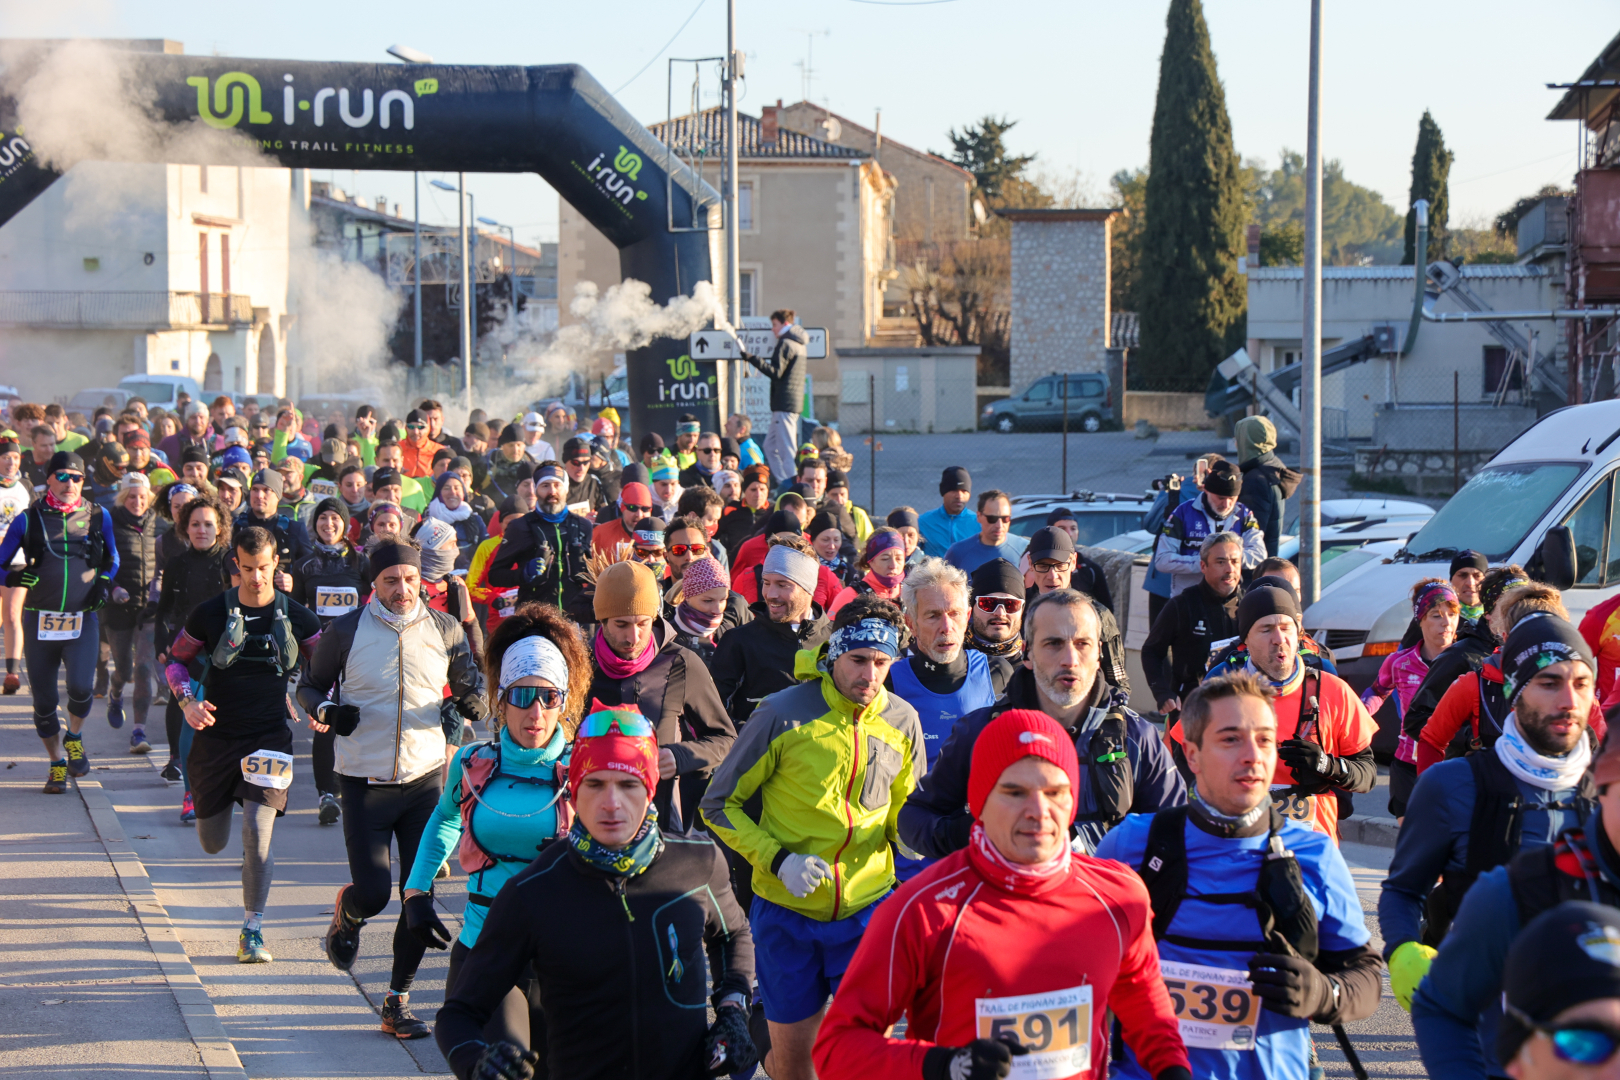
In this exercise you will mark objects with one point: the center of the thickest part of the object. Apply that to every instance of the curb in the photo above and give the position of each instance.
(219, 1055)
(1377, 831)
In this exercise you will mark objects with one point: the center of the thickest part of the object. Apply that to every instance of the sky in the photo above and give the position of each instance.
(1079, 76)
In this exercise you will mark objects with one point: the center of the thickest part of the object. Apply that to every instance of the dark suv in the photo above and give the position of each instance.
(1091, 404)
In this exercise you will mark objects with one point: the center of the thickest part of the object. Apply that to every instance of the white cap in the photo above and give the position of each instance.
(533, 421)
(235, 436)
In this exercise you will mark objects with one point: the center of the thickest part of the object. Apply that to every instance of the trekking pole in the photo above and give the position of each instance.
(1356, 1067)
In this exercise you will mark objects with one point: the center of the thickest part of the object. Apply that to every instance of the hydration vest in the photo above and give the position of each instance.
(1493, 837)
(1567, 869)
(1108, 769)
(281, 644)
(478, 770)
(1287, 918)
(940, 712)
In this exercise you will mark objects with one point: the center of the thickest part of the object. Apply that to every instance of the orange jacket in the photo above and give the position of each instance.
(418, 460)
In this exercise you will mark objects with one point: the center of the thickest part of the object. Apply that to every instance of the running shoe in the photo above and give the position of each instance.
(78, 761)
(250, 948)
(115, 712)
(12, 682)
(398, 1021)
(171, 771)
(342, 940)
(330, 810)
(138, 743)
(188, 812)
(56, 780)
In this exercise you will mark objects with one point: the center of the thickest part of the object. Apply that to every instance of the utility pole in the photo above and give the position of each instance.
(729, 196)
(416, 264)
(1310, 405)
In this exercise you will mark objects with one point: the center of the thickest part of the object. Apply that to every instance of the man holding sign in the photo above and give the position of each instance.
(1041, 942)
(1246, 980)
(238, 650)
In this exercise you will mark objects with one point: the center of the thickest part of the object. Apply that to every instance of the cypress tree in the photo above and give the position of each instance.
(1192, 298)
(1431, 168)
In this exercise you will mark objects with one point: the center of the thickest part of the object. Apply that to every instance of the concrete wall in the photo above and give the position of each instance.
(920, 390)
(1060, 316)
(1167, 411)
(1356, 298)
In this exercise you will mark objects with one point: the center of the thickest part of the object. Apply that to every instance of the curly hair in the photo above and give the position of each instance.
(534, 619)
(223, 516)
(872, 606)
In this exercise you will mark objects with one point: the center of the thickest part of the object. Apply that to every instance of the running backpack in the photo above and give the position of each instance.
(481, 766)
(281, 642)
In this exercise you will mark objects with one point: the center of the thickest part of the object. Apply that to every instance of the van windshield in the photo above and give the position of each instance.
(1494, 511)
(150, 391)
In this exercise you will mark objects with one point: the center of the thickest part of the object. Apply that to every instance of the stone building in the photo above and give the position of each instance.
(1060, 305)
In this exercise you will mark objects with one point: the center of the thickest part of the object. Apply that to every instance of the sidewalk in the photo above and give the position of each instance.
(296, 1017)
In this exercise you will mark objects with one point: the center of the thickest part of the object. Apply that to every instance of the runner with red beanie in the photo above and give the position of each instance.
(1042, 942)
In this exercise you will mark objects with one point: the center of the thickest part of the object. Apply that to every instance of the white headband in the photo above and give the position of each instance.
(533, 655)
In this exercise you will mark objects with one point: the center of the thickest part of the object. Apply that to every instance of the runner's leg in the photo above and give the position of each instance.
(417, 801)
(214, 832)
(369, 812)
(258, 862)
(11, 606)
(145, 670)
(43, 659)
(79, 666)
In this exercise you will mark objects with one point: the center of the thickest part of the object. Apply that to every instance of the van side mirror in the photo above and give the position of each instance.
(1558, 557)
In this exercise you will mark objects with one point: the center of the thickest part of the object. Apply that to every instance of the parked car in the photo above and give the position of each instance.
(1100, 515)
(1354, 523)
(1546, 501)
(162, 391)
(88, 401)
(1040, 407)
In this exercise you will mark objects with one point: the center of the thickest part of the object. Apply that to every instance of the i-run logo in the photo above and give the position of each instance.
(237, 97)
(615, 179)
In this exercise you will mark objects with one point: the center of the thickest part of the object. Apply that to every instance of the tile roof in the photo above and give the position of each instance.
(705, 133)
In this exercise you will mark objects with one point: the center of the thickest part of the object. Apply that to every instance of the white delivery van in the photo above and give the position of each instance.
(1546, 501)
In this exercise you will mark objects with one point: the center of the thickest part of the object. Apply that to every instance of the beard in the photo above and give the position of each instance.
(1063, 699)
(403, 604)
(1536, 729)
(551, 506)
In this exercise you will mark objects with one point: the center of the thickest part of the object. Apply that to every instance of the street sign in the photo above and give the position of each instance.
(722, 345)
(713, 345)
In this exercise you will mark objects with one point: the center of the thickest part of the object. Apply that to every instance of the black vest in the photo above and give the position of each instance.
(1566, 869)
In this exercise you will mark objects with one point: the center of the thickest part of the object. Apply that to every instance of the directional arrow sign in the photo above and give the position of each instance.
(713, 345)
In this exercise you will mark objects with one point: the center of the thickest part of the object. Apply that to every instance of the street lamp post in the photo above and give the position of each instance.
(511, 261)
(468, 299)
(1310, 397)
(729, 189)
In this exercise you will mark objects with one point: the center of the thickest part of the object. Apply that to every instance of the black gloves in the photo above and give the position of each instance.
(504, 1061)
(342, 719)
(1290, 986)
(422, 920)
(728, 1045)
(1314, 768)
(981, 1059)
(21, 579)
(1175, 1072)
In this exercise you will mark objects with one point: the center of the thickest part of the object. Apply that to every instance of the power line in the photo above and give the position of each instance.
(1515, 168)
(902, 3)
(667, 44)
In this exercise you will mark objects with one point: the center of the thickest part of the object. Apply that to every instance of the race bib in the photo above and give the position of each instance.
(60, 625)
(323, 489)
(506, 605)
(1056, 1027)
(268, 769)
(1294, 805)
(1216, 1007)
(583, 509)
(335, 599)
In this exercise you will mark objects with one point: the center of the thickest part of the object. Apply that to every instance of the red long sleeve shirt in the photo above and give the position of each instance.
(964, 959)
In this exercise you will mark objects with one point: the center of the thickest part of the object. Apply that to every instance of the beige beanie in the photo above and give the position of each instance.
(626, 588)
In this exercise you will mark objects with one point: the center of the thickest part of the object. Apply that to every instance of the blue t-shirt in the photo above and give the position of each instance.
(970, 554)
(1280, 1045)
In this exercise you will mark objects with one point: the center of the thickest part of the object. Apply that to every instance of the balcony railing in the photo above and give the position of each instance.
(123, 310)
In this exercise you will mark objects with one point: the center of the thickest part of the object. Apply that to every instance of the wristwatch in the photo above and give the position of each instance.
(735, 1000)
(320, 712)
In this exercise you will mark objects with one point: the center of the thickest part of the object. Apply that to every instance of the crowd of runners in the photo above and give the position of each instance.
(744, 776)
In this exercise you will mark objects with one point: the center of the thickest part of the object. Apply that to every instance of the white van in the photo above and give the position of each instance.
(1546, 501)
(162, 391)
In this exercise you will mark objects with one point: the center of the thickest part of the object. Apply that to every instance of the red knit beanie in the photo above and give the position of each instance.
(1008, 739)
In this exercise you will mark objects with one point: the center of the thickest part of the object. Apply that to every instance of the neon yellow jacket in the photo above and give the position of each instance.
(832, 777)
(863, 525)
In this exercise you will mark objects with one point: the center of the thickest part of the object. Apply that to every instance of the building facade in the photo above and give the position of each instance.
(1060, 296)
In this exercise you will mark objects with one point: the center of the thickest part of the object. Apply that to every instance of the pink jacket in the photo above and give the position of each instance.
(1401, 674)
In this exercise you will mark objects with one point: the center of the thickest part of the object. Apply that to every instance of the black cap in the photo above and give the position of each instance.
(1567, 956)
(415, 417)
(650, 443)
(510, 433)
(1224, 479)
(1258, 603)
(635, 473)
(837, 478)
(997, 576)
(1468, 559)
(386, 478)
(821, 523)
(729, 447)
(1062, 513)
(1536, 642)
(576, 448)
(1276, 581)
(194, 452)
(67, 459)
(782, 521)
(1050, 543)
(334, 504)
(955, 478)
(902, 517)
